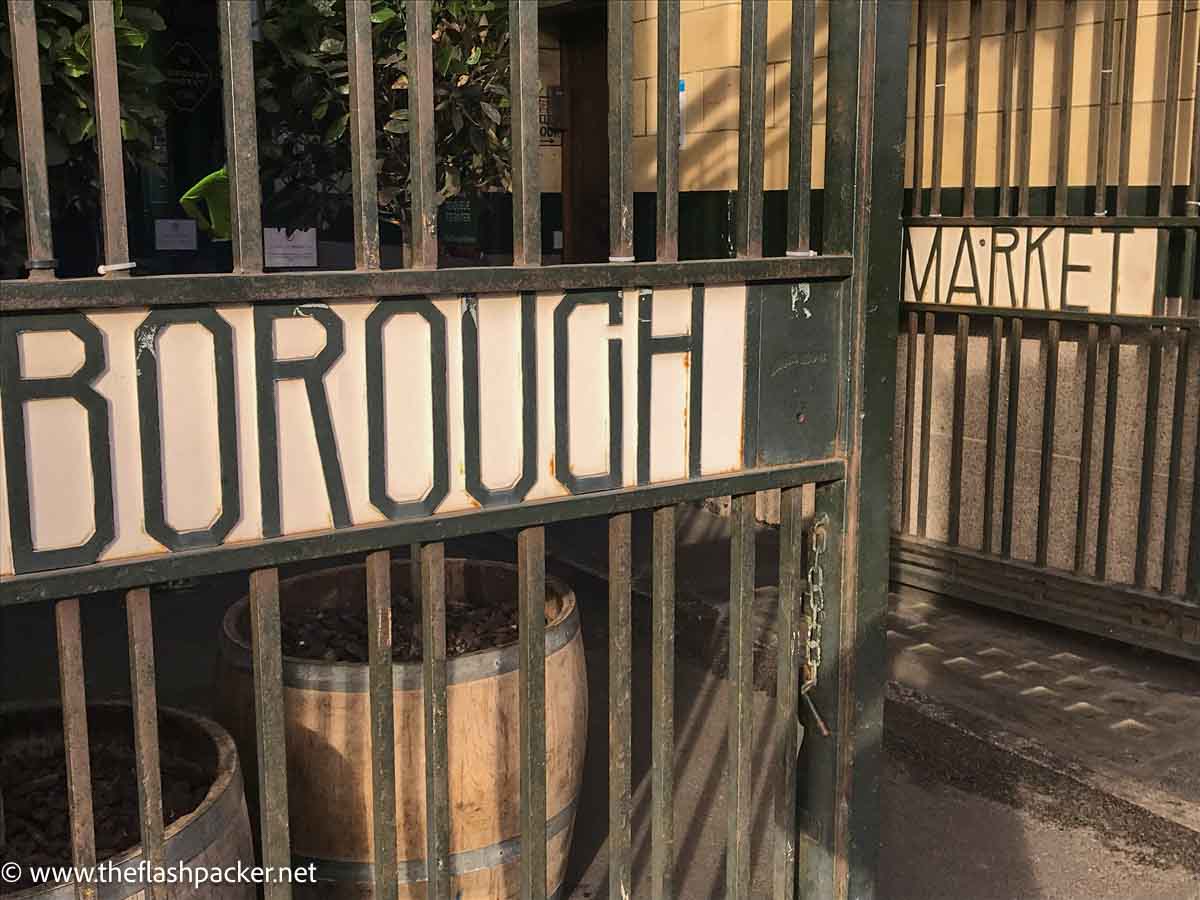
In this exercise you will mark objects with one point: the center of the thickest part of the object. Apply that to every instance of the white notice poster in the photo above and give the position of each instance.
(282, 249)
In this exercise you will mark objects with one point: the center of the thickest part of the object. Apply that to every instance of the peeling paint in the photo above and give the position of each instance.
(800, 298)
(302, 309)
(146, 338)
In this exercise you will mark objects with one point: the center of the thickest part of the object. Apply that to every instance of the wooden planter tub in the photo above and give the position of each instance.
(215, 834)
(329, 751)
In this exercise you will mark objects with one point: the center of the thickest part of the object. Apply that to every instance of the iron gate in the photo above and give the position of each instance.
(1068, 414)
(819, 331)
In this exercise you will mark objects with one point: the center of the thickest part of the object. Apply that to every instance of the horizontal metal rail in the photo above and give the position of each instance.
(127, 573)
(1053, 315)
(176, 290)
(1058, 221)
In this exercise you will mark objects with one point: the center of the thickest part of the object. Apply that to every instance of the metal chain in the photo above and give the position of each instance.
(818, 541)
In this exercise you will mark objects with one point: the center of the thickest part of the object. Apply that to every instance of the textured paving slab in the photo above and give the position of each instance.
(1124, 720)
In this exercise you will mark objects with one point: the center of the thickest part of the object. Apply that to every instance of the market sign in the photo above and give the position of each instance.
(1098, 269)
(136, 433)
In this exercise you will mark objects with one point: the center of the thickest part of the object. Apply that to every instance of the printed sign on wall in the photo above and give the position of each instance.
(1100, 269)
(135, 433)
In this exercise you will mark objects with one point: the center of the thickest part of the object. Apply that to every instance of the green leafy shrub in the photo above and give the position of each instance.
(65, 57)
(303, 106)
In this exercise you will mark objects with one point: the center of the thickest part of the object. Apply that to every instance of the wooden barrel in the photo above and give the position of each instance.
(215, 834)
(329, 749)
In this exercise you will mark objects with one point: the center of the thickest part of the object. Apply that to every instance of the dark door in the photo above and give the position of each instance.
(585, 143)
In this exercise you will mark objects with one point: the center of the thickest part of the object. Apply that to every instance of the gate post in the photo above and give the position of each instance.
(872, 74)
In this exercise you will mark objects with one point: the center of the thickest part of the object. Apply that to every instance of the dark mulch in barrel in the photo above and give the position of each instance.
(338, 634)
(33, 780)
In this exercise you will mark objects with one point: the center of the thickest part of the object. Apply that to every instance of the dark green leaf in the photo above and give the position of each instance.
(383, 14)
(66, 8)
(336, 128)
(490, 111)
(146, 18)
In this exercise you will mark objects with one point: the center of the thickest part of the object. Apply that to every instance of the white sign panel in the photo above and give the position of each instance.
(135, 433)
(283, 249)
(1100, 270)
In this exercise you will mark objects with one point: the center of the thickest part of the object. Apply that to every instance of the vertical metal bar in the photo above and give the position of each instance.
(1085, 448)
(971, 125)
(800, 128)
(1106, 460)
(75, 741)
(1006, 106)
(662, 768)
(364, 184)
(1107, 65)
(1129, 59)
(957, 428)
(1010, 434)
(107, 116)
(787, 688)
(1166, 179)
(241, 138)
(145, 731)
(531, 566)
(819, 762)
(741, 686)
(995, 338)
(1025, 99)
(437, 766)
(527, 197)
(1192, 588)
(620, 652)
(751, 125)
(1049, 414)
(1187, 277)
(383, 728)
(918, 194)
(620, 131)
(1171, 534)
(268, 713)
(939, 108)
(667, 206)
(860, 661)
(841, 123)
(926, 423)
(1149, 452)
(421, 134)
(910, 409)
(1065, 81)
(31, 135)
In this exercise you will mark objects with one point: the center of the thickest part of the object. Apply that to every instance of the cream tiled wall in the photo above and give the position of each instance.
(1149, 91)
(709, 59)
(709, 52)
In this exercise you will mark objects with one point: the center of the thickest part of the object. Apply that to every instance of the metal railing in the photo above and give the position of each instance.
(826, 815)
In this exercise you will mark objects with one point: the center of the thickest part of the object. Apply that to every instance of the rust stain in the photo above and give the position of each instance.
(552, 472)
(474, 503)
